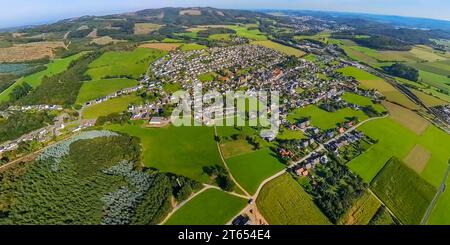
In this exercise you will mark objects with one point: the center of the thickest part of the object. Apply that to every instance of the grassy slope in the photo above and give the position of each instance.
(99, 88)
(117, 63)
(283, 202)
(113, 105)
(181, 150)
(55, 67)
(212, 207)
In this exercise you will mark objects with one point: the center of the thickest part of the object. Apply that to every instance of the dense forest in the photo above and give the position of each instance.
(93, 178)
(403, 71)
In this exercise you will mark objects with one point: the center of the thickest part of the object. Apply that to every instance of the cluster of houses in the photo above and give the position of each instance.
(344, 140)
(114, 95)
(36, 108)
(304, 168)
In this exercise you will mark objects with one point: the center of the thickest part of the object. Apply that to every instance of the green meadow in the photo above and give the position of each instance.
(211, 207)
(324, 119)
(253, 34)
(361, 101)
(192, 46)
(53, 68)
(253, 168)
(105, 108)
(180, 150)
(98, 88)
(121, 63)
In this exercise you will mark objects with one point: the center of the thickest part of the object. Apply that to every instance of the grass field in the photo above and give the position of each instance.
(252, 168)
(118, 104)
(417, 158)
(434, 80)
(403, 191)
(288, 134)
(161, 46)
(207, 77)
(395, 140)
(55, 67)
(407, 118)
(361, 101)
(235, 148)
(324, 119)
(117, 63)
(362, 210)
(211, 207)
(99, 88)
(280, 48)
(192, 46)
(440, 214)
(429, 100)
(283, 201)
(220, 37)
(439, 67)
(180, 150)
(370, 81)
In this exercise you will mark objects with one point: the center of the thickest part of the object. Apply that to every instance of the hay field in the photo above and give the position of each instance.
(145, 28)
(161, 46)
(407, 118)
(417, 158)
(29, 51)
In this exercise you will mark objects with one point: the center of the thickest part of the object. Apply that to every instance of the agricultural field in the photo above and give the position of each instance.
(370, 81)
(105, 108)
(117, 63)
(235, 148)
(283, 201)
(211, 207)
(281, 48)
(161, 46)
(252, 168)
(438, 67)
(429, 100)
(29, 51)
(181, 150)
(407, 118)
(435, 80)
(34, 80)
(192, 46)
(382, 217)
(220, 37)
(321, 37)
(396, 140)
(145, 28)
(362, 211)
(440, 214)
(324, 119)
(95, 89)
(403, 191)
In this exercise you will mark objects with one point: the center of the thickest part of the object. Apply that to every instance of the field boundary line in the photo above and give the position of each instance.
(226, 166)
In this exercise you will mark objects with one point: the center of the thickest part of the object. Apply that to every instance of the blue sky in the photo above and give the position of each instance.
(22, 12)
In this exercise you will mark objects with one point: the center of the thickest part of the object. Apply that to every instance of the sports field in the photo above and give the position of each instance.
(54, 67)
(99, 88)
(180, 150)
(324, 119)
(253, 168)
(118, 63)
(280, 48)
(105, 108)
(403, 191)
(211, 207)
(283, 201)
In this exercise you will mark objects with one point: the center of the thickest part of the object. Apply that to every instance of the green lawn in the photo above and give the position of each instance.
(98, 88)
(396, 140)
(120, 63)
(235, 148)
(253, 168)
(192, 46)
(283, 201)
(180, 150)
(211, 207)
(207, 77)
(403, 191)
(118, 104)
(323, 119)
(53, 68)
(288, 134)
